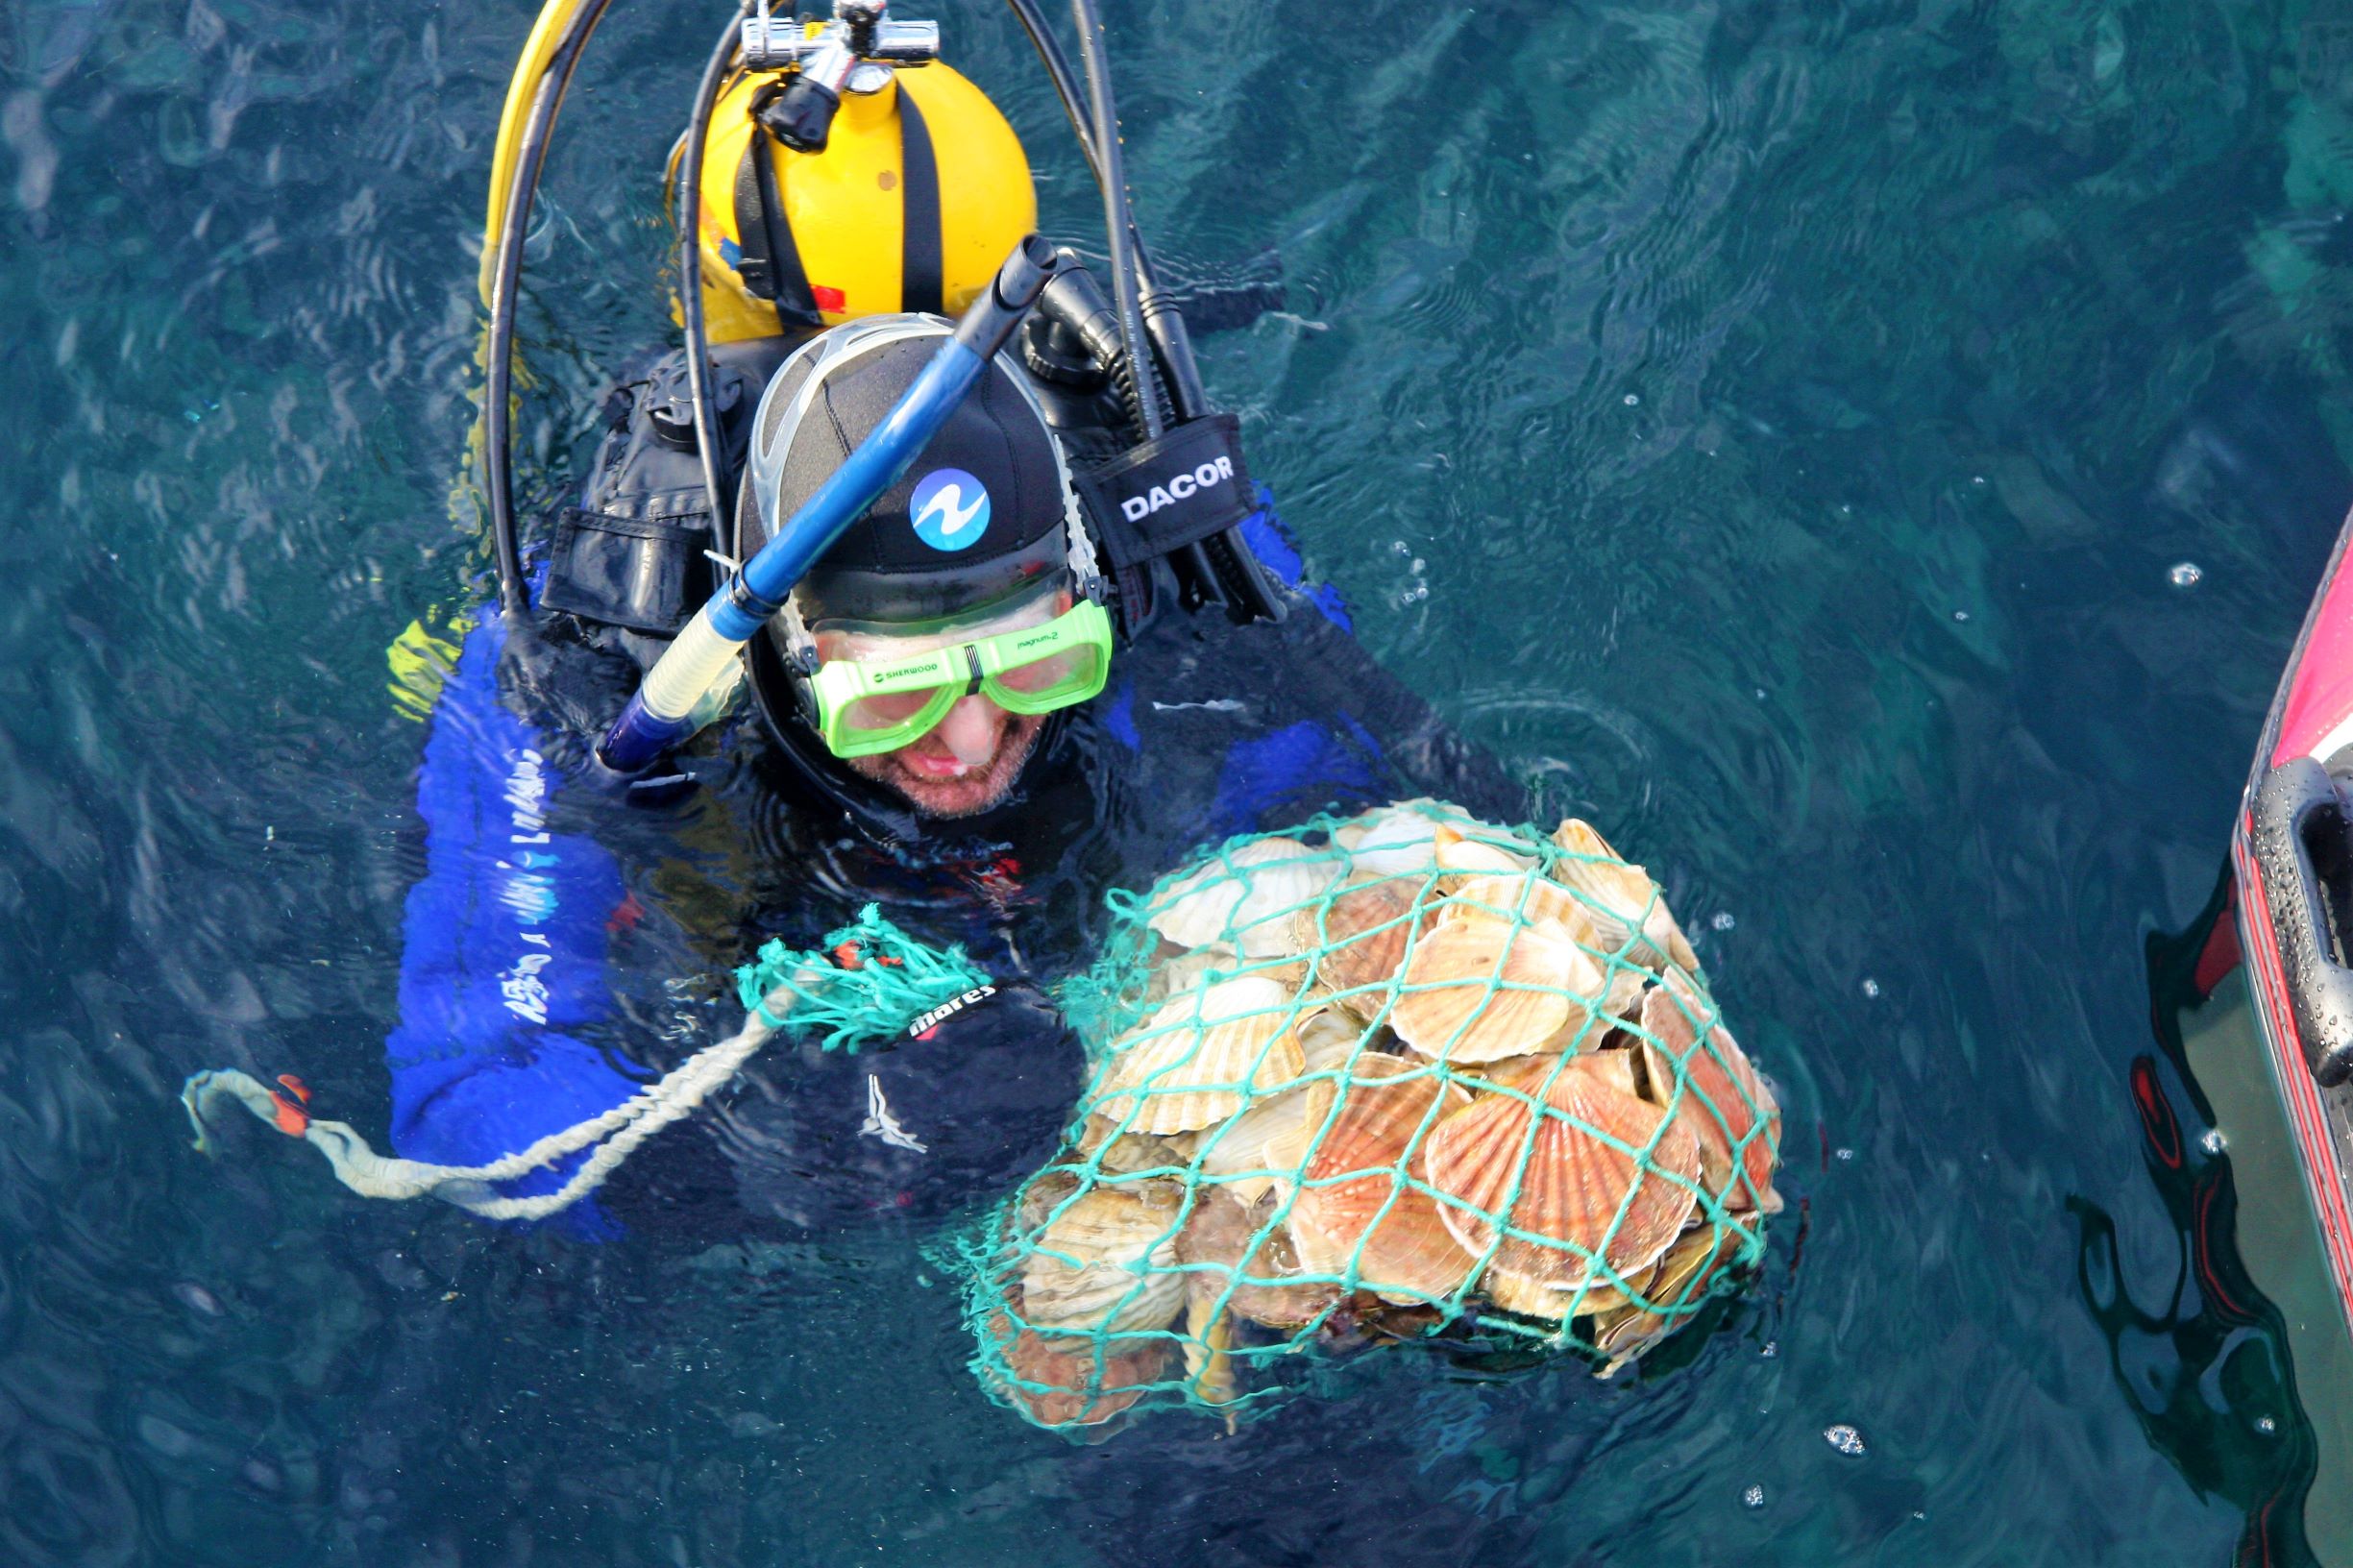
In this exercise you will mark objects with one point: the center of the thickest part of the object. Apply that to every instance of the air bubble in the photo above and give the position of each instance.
(2185, 575)
(1723, 920)
(1753, 1498)
(2265, 1424)
(1844, 1438)
(2213, 1142)
(1871, 986)
(1845, 1156)
(1960, 615)
(1632, 400)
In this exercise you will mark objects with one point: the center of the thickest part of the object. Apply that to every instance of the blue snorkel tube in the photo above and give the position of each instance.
(663, 713)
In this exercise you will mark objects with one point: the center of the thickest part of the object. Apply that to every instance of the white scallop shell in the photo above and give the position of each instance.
(1246, 898)
(1329, 1040)
(1463, 855)
(1399, 840)
(1262, 1149)
(1195, 1062)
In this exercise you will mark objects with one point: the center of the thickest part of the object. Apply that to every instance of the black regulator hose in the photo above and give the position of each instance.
(1163, 324)
(690, 261)
(1222, 567)
(1118, 222)
(497, 436)
(1066, 81)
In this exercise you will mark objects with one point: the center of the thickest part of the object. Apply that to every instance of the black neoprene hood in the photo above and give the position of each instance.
(978, 516)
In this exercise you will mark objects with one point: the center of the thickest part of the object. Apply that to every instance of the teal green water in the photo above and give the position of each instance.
(1769, 428)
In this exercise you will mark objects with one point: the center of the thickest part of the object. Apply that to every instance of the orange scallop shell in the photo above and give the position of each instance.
(1059, 1383)
(1360, 942)
(1719, 1075)
(1478, 988)
(1574, 1184)
(1353, 1200)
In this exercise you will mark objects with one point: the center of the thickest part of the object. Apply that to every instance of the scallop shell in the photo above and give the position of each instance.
(1105, 1262)
(1191, 1063)
(1266, 1286)
(1531, 1297)
(1723, 1097)
(1245, 898)
(1191, 968)
(1626, 902)
(1398, 839)
(1532, 1074)
(1353, 1202)
(1459, 855)
(1533, 899)
(1359, 940)
(1530, 896)
(1679, 1282)
(1478, 989)
(1574, 1183)
(1060, 1383)
(1330, 1039)
(1131, 1153)
(1262, 1150)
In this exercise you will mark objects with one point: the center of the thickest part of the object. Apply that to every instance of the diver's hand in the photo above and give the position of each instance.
(569, 679)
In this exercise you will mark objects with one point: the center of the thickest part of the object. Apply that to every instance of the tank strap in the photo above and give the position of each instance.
(922, 273)
(770, 265)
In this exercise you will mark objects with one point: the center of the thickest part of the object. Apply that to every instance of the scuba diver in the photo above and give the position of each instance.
(1040, 633)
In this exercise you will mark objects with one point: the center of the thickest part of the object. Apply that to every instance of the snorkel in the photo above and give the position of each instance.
(663, 712)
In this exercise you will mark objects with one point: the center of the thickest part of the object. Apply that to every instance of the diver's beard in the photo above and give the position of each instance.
(967, 795)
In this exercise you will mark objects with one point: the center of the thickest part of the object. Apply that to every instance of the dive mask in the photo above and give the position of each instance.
(869, 705)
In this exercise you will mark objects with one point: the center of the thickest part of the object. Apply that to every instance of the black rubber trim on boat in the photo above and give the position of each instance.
(2303, 843)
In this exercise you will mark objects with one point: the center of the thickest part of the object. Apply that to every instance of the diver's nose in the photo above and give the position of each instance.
(971, 730)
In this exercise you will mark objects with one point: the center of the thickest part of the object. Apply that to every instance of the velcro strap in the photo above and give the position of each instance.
(751, 225)
(1167, 493)
(771, 264)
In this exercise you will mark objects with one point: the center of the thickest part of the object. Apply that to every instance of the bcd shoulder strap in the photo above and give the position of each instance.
(770, 265)
(1186, 486)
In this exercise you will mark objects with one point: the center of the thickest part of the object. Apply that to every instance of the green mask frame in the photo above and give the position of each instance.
(867, 707)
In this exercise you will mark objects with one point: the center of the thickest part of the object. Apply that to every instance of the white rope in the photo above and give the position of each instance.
(627, 1125)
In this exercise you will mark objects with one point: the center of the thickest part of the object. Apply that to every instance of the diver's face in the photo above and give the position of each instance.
(964, 765)
(968, 763)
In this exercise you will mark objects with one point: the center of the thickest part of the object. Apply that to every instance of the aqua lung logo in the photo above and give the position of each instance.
(951, 508)
(1208, 476)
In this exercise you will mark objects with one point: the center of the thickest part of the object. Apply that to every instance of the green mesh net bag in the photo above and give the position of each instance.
(1375, 1078)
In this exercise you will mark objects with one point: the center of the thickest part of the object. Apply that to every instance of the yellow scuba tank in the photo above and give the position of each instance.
(919, 194)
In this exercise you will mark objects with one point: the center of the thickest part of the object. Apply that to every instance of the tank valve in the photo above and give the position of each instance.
(853, 53)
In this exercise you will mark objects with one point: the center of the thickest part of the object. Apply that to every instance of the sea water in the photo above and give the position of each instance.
(1869, 458)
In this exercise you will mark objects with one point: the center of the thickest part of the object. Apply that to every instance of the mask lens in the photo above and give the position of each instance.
(1071, 675)
(887, 710)
(1050, 673)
